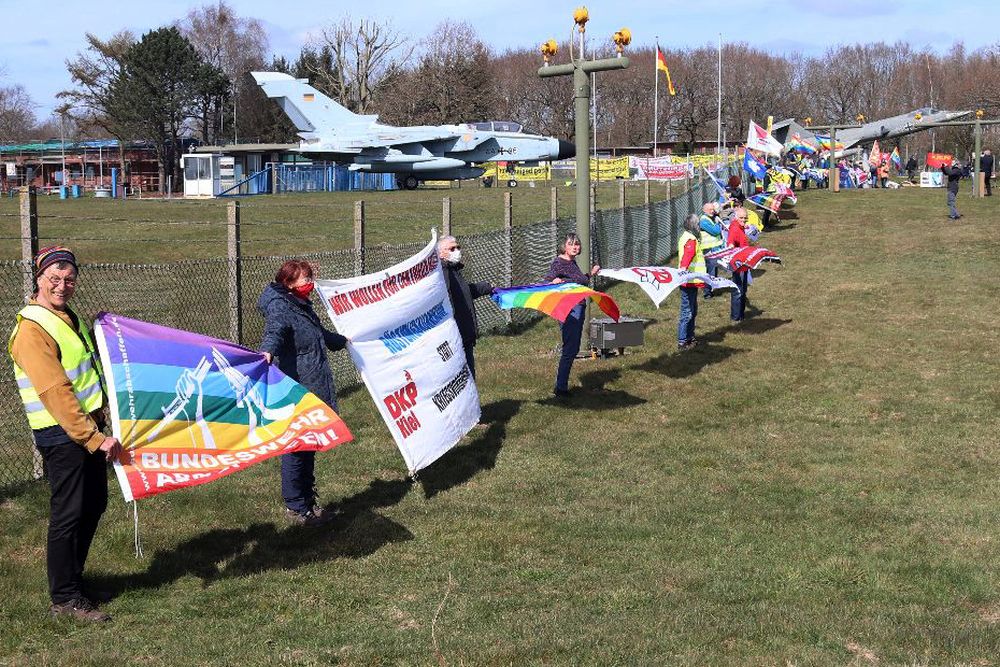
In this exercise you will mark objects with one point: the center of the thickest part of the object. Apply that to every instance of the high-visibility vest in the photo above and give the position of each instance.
(709, 241)
(76, 354)
(698, 263)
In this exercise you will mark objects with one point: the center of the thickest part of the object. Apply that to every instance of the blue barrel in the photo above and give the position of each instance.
(76, 191)
(63, 192)
(114, 182)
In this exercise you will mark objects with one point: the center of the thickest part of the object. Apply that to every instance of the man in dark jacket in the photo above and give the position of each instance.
(911, 169)
(462, 293)
(986, 164)
(954, 174)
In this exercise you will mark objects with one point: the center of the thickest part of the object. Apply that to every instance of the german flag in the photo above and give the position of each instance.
(661, 64)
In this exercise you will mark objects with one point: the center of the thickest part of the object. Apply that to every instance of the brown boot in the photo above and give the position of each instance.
(81, 609)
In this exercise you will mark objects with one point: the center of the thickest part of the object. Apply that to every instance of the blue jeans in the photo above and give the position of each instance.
(689, 311)
(712, 269)
(298, 483)
(738, 299)
(572, 330)
(952, 211)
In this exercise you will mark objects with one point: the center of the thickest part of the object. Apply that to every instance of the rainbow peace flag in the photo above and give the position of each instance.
(553, 299)
(896, 159)
(190, 409)
(798, 144)
(824, 143)
(769, 200)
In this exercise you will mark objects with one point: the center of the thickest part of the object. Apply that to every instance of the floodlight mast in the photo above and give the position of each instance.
(581, 69)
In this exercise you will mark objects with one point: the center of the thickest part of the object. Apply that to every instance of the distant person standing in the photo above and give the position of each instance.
(954, 174)
(986, 164)
(911, 169)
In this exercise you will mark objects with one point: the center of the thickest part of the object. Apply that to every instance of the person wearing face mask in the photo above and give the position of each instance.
(564, 269)
(462, 293)
(295, 337)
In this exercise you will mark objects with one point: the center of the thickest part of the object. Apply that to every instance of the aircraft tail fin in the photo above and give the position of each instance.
(312, 112)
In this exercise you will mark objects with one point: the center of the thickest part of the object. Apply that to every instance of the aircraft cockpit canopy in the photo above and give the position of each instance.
(926, 111)
(498, 126)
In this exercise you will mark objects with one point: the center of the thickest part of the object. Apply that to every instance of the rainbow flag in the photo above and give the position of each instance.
(553, 299)
(190, 409)
(824, 143)
(798, 144)
(896, 159)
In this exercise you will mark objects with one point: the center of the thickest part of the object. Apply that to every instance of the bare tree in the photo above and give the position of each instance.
(94, 73)
(17, 116)
(364, 57)
(232, 44)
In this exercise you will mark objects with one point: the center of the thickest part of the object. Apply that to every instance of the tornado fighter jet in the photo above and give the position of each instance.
(440, 152)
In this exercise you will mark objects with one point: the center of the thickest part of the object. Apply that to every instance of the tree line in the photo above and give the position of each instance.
(191, 81)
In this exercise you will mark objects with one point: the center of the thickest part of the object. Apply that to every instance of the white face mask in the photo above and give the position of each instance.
(455, 256)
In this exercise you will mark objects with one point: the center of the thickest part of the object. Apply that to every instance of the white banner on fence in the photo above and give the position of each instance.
(659, 281)
(406, 344)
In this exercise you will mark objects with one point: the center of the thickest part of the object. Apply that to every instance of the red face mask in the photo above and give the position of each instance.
(303, 291)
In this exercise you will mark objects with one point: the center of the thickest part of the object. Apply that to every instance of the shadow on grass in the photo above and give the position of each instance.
(592, 394)
(15, 489)
(779, 228)
(462, 463)
(678, 364)
(356, 531)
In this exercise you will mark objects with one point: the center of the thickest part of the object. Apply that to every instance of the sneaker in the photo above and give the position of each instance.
(81, 609)
(314, 517)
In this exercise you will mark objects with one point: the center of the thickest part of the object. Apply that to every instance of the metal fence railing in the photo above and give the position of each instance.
(195, 295)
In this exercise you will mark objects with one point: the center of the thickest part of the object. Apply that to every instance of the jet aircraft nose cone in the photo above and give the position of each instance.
(566, 150)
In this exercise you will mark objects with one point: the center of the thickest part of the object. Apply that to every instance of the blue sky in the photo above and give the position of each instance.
(39, 38)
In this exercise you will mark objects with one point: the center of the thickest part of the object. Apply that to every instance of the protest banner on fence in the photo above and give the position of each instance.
(938, 160)
(190, 409)
(661, 169)
(609, 169)
(405, 342)
(503, 171)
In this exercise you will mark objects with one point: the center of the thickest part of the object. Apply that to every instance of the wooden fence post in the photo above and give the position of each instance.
(234, 253)
(446, 217)
(359, 238)
(29, 238)
(508, 228)
(621, 195)
(29, 248)
(645, 192)
(554, 217)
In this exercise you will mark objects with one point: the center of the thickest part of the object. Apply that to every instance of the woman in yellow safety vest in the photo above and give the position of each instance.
(691, 258)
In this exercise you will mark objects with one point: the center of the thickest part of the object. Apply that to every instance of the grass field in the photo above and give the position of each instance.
(817, 486)
(157, 230)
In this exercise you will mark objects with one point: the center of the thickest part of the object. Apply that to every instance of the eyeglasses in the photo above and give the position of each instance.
(56, 282)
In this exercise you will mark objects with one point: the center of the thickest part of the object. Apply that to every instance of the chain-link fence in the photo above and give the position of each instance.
(196, 295)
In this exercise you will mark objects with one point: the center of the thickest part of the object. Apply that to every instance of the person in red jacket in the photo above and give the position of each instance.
(738, 239)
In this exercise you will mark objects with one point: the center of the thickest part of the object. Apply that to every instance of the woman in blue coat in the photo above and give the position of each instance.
(295, 337)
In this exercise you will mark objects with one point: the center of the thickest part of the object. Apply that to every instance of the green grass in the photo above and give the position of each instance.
(815, 487)
(157, 230)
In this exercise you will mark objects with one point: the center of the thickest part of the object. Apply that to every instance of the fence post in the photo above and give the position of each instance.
(359, 237)
(274, 178)
(446, 216)
(554, 216)
(234, 253)
(29, 248)
(645, 192)
(621, 195)
(29, 238)
(508, 225)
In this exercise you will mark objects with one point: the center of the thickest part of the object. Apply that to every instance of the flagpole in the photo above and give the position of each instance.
(718, 148)
(656, 97)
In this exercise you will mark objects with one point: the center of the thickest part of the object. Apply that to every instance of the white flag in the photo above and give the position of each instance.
(758, 139)
(405, 342)
(659, 281)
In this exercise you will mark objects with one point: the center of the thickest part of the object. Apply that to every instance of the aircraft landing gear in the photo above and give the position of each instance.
(410, 182)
